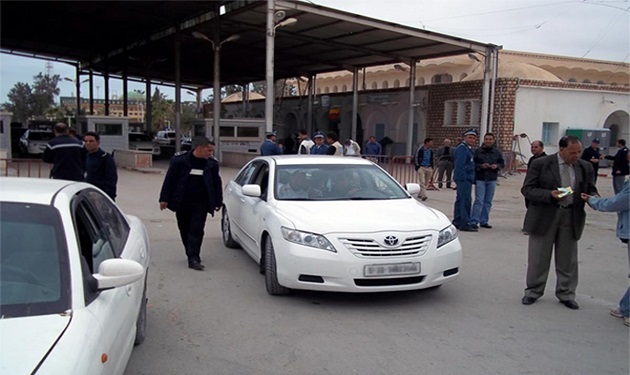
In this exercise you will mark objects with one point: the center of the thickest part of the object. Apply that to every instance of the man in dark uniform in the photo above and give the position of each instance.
(592, 155)
(66, 154)
(269, 146)
(464, 177)
(192, 188)
(620, 168)
(99, 166)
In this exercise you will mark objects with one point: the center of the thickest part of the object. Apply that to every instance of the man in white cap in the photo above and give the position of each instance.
(319, 148)
(269, 146)
(464, 177)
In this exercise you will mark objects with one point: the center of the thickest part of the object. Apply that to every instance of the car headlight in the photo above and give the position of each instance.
(307, 239)
(447, 235)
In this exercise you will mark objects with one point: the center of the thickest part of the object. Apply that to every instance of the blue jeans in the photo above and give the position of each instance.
(624, 304)
(484, 193)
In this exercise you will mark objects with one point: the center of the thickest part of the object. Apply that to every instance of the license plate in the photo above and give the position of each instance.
(391, 269)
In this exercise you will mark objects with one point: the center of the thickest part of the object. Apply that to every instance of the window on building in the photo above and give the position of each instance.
(374, 85)
(450, 112)
(108, 129)
(442, 78)
(600, 82)
(475, 112)
(344, 88)
(326, 90)
(550, 131)
(335, 88)
(319, 91)
(586, 81)
(572, 80)
(462, 112)
(407, 82)
(396, 83)
(420, 81)
(385, 84)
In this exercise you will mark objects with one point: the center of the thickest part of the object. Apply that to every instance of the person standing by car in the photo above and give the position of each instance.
(620, 168)
(269, 146)
(334, 147)
(464, 177)
(555, 219)
(66, 154)
(372, 147)
(424, 166)
(592, 155)
(192, 189)
(488, 163)
(99, 165)
(305, 144)
(319, 148)
(445, 163)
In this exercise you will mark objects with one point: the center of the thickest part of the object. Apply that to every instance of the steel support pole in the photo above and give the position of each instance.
(269, 99)
(216, 89)
(178, 96)
(412, 92)
(355, 101)
(485, 94)
(495, 73)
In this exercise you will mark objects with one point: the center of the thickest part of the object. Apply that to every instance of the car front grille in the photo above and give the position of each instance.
(369, 247)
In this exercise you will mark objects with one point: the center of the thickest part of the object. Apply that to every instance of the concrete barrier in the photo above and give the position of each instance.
(236, 159)
(132, 159)
(3, 163)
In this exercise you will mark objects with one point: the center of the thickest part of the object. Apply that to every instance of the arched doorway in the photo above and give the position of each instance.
(619, 124)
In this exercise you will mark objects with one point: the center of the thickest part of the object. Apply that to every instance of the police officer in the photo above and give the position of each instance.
(592, 155)
(319, 148)
(66, 154)
(464, 177)
(192, 188)
(269, 146)
(100, 167)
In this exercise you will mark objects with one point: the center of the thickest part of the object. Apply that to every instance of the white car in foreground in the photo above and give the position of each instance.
(73, 273)
(337, 224)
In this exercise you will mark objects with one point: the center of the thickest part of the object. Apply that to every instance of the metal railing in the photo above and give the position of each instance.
(35, 168)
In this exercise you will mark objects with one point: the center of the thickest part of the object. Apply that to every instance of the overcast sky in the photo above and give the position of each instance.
(596, 29)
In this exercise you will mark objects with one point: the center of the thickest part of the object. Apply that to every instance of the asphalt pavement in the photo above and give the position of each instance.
(222, 321)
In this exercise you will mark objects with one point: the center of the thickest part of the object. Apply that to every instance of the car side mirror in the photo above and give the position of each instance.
(252, 190)
(113, 273)
(412, 188)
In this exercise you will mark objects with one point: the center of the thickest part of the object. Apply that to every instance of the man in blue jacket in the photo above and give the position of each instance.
(269, 146)
(488, 163)
(99, 165)
(192, 189)
(464, 177)
(620, 168)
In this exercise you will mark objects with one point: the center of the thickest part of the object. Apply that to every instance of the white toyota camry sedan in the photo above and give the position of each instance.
(338, 224)
(72, 279)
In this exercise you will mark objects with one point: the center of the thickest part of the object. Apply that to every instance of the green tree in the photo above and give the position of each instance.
(161, 110)
(44, 92)
(20, 102)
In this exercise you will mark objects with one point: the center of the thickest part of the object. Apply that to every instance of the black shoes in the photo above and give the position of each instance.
(196, 266)
(469, 229)
(528, 300)
(488, 226)
(570, 304)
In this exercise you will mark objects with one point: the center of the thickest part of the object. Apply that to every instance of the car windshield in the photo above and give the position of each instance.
(34, 275)
(335, 182)
(139, 138)
(40, 136)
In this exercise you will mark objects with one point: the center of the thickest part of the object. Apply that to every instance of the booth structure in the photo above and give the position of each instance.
(240, 138)
(5, 135)
(114, 131)
(586, 136)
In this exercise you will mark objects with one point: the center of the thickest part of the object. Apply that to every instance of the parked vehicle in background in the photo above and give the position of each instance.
(141, 142)
(337, 224)
(73, 272)
(33, 142)
(165, 140)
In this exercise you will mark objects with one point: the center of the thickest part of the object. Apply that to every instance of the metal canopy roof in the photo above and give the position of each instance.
(138, 37)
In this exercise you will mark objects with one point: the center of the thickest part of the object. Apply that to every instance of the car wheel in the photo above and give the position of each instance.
(228, 240)
(141, 323)
(271, 276)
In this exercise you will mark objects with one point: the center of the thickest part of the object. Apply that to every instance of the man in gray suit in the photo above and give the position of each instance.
(555, 219)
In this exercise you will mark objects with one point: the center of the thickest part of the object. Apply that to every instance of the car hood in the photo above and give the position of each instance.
(25, 341)
(362, 216)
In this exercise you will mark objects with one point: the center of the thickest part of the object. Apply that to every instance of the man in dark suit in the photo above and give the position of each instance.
(555, 219)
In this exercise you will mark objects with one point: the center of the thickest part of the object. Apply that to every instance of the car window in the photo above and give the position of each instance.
(335, 182)
(40, 136)
(246, 174)
(138, 138)
(262, 179)
(34, 270)
(112, 221)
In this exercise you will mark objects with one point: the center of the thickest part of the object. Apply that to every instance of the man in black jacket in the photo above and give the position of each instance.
(488, 163)
(100, 166)
(66, 154)
(592, 155)
(620, 168)
(192, 189)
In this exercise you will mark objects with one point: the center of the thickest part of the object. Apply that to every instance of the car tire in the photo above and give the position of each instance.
(141, 322)
(271, 276)
(228, 240)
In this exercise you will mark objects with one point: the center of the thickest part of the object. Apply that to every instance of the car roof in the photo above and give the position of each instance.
(30, 190)
(314, 159)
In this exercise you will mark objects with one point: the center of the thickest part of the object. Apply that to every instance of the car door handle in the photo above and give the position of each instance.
(242, 200)
(128, 289)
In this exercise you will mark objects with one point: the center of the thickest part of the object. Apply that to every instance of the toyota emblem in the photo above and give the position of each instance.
(391, 240)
